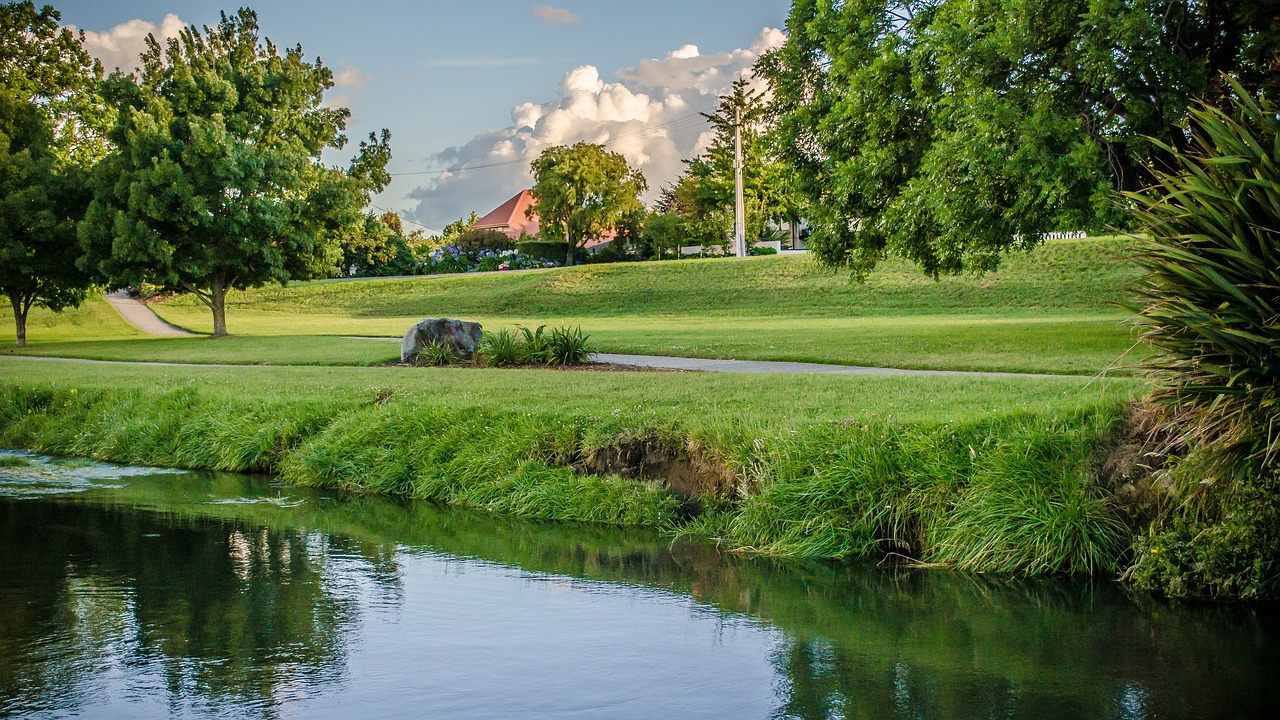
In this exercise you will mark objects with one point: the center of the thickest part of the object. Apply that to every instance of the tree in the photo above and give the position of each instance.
(951, 131)
(216, 181)
(710, 185)
(50, 131)
(582, 192)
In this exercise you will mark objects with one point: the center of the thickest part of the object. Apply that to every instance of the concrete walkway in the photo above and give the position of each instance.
(142, 317)
(772, 366)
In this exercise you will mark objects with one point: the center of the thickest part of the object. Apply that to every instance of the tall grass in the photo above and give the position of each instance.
(933, 493)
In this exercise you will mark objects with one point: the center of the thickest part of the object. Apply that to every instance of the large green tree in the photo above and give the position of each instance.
(51, 122)
(949, 131)
(582, 192)
(216, 181)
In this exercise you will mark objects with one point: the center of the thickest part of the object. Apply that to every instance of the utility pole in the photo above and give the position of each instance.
(739, 212)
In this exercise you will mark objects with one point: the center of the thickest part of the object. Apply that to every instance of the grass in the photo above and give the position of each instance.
(982, 473)
(813, 458)
(237, 350)
(1047, 312)
(93, 320)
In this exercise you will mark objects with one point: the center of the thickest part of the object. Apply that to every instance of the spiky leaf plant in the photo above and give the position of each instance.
(1211, 300)
(1210, 308)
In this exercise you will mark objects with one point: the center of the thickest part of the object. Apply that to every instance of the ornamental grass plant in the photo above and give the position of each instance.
(1210, 308)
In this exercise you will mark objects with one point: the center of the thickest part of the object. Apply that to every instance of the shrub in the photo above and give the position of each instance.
(533, 345)
(549, 251)
(500, 348)
(1212, 292)
(1209, 307)
(761, 250)
(435, 354)
(567, 347)
(477, 241)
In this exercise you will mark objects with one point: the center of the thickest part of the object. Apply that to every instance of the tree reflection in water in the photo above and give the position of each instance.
(241, 607)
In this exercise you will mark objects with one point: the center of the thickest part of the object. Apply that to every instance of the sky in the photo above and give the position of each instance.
(473, 90)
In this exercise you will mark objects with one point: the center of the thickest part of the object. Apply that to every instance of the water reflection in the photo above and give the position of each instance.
(220, 595)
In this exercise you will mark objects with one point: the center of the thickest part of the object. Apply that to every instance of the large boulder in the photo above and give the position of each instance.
(460, 335)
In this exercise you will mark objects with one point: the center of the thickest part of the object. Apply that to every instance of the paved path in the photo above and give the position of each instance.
(145, 319)
(142, 317)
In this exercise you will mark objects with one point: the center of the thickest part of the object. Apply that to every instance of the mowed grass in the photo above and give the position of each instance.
(95, 319)
(1049, 311)
(237, 350)
(695, 400)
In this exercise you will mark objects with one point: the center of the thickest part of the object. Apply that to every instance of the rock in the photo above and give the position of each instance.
(460, 335)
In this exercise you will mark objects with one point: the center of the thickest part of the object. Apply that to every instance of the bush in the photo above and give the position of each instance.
(538, 249)
(1208, 306)
(1212, 292)
(561, 346)
(761, 250)
(435, 354)
(567, 347)
(500, 348)
(477, 241)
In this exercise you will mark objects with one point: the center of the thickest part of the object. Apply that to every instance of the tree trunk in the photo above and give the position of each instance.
(568, 253)
(19, 317)
(218, 303)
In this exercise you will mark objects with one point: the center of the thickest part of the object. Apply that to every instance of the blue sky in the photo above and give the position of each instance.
(491, 83)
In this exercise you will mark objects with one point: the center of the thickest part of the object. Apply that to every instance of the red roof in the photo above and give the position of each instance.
(510, 217)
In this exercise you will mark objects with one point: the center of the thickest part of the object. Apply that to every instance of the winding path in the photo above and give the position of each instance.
(146, 320)
(142, 317)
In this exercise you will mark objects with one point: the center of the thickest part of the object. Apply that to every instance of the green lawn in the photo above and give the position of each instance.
(705, 400)
(1050, 311)
(94, 320)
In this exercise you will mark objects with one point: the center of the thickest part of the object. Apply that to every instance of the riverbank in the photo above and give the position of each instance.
(982, 474)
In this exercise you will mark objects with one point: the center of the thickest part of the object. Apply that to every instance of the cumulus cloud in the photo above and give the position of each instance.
(650, 116)
(346, 83)
(554, 16)
(121, 46)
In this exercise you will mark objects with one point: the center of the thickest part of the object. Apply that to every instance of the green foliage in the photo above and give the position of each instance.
(950, 131)
(473, 240)
(839, 468)
(372, 248)
(666, 233)
(49, 122)
(538, 249)
(582, 192)
(216, 182)
(567, 347)
(704, 195)
(534, 345)
(1209, 305)
(500, 348)
(1212, 293)
(46, 65)
(436, 354)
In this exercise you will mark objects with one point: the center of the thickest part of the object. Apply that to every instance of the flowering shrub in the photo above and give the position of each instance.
(452, 259)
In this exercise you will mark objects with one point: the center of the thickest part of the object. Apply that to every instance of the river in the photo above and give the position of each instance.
(139, 593)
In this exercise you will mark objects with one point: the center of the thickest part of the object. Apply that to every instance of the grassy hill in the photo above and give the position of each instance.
(1051, 310)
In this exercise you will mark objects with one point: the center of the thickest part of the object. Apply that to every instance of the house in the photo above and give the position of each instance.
(510, 219)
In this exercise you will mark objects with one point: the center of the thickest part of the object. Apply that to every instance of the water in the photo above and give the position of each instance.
(137, 593)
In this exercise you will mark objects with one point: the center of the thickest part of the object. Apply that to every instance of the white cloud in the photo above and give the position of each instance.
(554, 16)
(346, 83)
(121, 46)
(650, 116)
